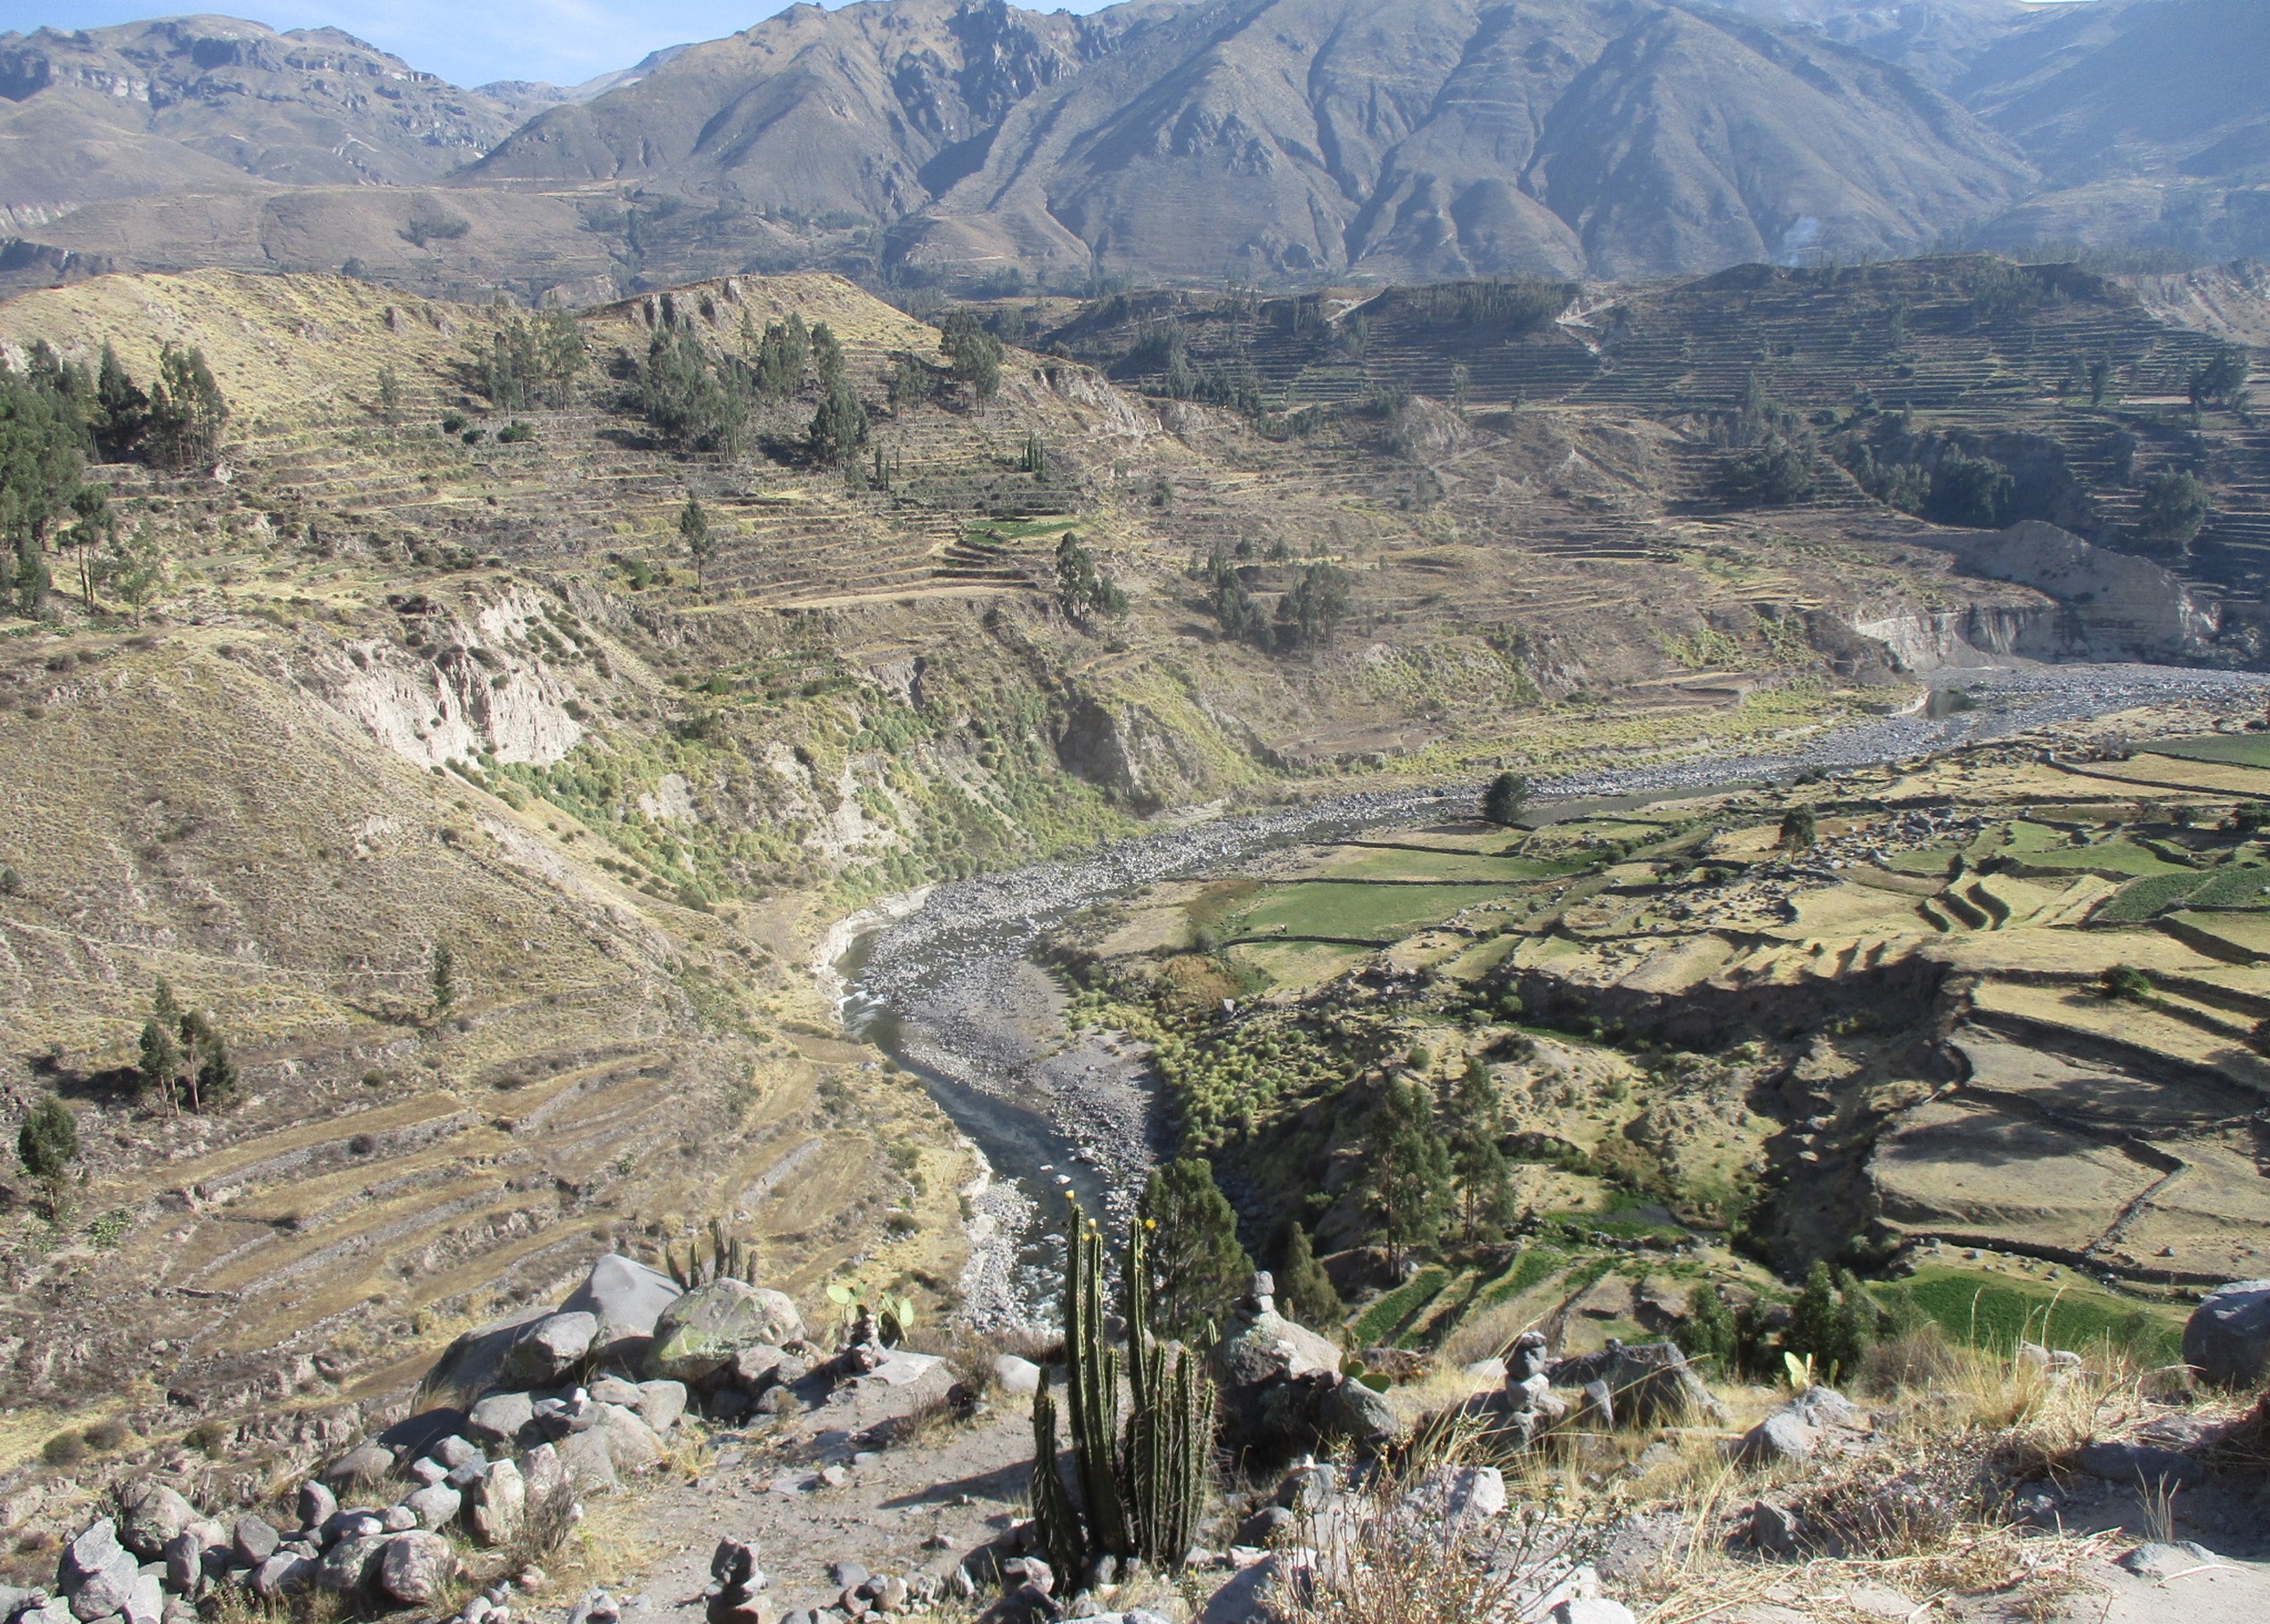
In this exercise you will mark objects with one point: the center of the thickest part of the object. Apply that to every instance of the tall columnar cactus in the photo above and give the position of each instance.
(730, 1258)
(1142, 1484)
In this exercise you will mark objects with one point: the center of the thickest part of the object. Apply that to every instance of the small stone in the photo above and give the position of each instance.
(317, 1505)
(150, 1519)
(2158, 1560)
(454, 1452)
(497, 1421)
(1592, 1610)
(398, 1518)
(1780, 1436)
(846, 1575)
(347, 1567)
(368, 1462)
(1773, 1528)
(499, 1505)
(893, 1595)
(2138, 1465)
(835, 1477)
(660, 1403)
(426, 1471)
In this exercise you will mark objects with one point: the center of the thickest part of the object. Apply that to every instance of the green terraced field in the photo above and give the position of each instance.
(1357, 910)
(1997, 1311)
(2142, 899)
(2242, 749)
(1377, 1325)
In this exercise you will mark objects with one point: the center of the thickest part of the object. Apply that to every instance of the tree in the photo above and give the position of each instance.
(780, 357)
(1082, 589)
(1190, 1239)
(1304, 1288)
(212, 1074)
(1308, 615)
(1486, 1198)
(908, 384)
(1831, 1319)
(1970, 491)
(2099, 380)
(1709, 1333)
(1503, 801)
(389, 396)
(1407, 1187)
(187, 412)
(1772, 474)
(443, 978)
(693, 528)
(840, 428)
(121, 409)
(973, 354)
(159, 1062)
(1798, 828)
(133, 568)
(827, 358)
(2223, 378)
(47, 1143)
(683, 396)
(43, 436)
(2174, 510)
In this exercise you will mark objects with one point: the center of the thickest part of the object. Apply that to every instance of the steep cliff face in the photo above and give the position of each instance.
(2104, 605)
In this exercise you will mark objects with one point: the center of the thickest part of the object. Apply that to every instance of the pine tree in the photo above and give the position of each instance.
(1798, 828)
(840, 428)
(121, 409)
(1710, 1333)
(187, 412)
(1196, 1264)
(693, 526)
(159, 1064)
(1503, 801)
(205, 1055)
(1832, 1319)
(827, 358)
(1856, 1321)
(1304, 1288)
(47, 1143)
(444, 979)
(1485, 1179)
(1406, 1188)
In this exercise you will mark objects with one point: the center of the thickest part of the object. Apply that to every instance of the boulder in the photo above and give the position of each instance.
(474, 1363)
(1018, 1377)
(397, 1520)
(145, 1599)
(436, 1505)
(367, 1463)
(631, 1445)
(625, 1298)
(2227, 1338)
(348, 1566)
(1780, 1436)
(586, 1462)
(613, 1389)
(549, 1349)
(97, 1573)
(497, 1421)
(149, 1517)
(414, 1567)
(454, 1451)
(416, 1436)
(253, 1541)
(285, 1573)
(2138, 1465)
(499, 1505)
(543, 1474)
(1281, 1384)
(659, 1404)
(2157, 1559)
(701, 1331)
(317, 1505)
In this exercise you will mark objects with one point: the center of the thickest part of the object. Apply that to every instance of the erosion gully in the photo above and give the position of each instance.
(949, 987)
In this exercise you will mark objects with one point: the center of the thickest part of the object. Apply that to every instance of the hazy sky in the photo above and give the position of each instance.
(471, 42)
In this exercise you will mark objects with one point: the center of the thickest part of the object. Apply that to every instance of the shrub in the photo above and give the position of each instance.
(2124, 983)
(63, 1449)
(1504, 801)
(47, 1143)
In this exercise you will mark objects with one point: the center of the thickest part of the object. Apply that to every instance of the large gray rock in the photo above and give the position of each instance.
(367, 1463)
(1278, 1381)
(660, 1404)
(586, 1461)
(498, 1420)
(2227, 1338)
(436, 1505)
(2138, 1465)
(96, 1573)
(145, 1599)
(348, 1566)
(549, 1349)
(285, 1573)
(624, 1298)
(317, 1504)
(474, 1363)
(1780, 1436)
(543, 1473)
(701, 1331)
(252, 1540)
(498, 1505)
(415, 1568)
(149, 1517)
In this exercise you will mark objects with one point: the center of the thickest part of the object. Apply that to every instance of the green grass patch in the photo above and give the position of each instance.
(2149, 897)
(2239, 750)
(1923, 859)
(1998, 1312)
(1354, 909)
(2236, 885)
(2113, 859)
(1532, 1266)
(1407, 864)
(1377, 1325)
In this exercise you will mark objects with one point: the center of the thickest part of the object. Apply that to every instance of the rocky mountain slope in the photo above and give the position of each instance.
(1277, 140)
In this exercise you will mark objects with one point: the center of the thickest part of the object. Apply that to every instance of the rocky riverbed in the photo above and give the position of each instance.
(950, 988)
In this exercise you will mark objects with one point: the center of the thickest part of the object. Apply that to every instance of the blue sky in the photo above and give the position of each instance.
(470, 42)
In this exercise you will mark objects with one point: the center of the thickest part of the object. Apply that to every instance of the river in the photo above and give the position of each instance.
(949, 989)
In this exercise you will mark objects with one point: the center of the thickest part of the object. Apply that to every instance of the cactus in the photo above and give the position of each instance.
(729, 1258)
(1142, 1483)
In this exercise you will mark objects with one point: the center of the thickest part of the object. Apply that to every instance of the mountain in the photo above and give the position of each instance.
(1275, 140)
(192, 103)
